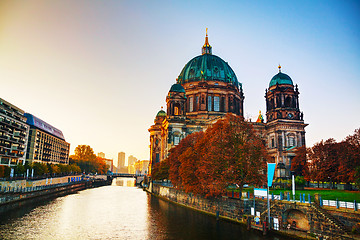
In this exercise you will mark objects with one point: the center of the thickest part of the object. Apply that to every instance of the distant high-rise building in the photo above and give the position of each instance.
(101, 154)
(121, 160)
(131, 164)
(131, 160)
(141, 167)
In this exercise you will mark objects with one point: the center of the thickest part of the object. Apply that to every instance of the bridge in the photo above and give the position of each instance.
(127, 175)
(139, 178)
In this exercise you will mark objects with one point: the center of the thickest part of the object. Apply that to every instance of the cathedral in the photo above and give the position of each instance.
(207, 89)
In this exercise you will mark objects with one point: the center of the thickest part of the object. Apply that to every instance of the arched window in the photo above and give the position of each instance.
(176, 111)
(291, 140)
(176, 138)
(191, 104)
(288, 102)
(216, 104)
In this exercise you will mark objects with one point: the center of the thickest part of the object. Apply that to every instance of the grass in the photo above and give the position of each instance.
(326, 194)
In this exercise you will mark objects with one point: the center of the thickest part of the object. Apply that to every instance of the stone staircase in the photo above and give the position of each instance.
(272, 205)
(335, 222)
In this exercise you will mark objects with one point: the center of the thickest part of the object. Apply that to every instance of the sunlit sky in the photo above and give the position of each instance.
(100, 70)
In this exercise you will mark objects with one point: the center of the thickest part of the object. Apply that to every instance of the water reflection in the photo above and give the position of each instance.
(124, 182)
(115, 212)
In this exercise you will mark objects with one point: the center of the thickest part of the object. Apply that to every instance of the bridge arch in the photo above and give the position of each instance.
(296, 219)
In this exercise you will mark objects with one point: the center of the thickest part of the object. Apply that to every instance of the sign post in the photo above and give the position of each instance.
(293, 186)
(270, 176)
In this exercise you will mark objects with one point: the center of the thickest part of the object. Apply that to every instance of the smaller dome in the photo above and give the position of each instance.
(177, 88)
(280, 78)
(161, 113)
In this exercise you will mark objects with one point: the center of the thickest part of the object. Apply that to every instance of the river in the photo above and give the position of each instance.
(118, 211)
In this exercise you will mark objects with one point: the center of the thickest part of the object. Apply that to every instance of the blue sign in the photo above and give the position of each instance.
(271, 171)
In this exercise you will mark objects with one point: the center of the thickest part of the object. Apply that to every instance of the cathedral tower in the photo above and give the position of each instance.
(285, 125)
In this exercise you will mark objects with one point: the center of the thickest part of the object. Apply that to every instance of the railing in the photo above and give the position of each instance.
(302, 199)
(35, 188)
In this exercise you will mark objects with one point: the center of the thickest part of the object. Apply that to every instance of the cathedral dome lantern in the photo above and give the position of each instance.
(207, 67)
(280, 79)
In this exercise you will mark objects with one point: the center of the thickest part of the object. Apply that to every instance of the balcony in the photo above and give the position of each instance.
(4, 137)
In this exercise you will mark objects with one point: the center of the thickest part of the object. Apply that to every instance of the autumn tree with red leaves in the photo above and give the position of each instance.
(336, 162)
(299, 164)
(160, 171)
(229, 152)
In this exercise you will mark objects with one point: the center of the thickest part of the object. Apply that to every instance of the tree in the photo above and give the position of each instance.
(85, 158)
(85, 153)
(161, 170)
(299, 164)
(178, 157)
(235, 154)
(324, 161)
(349, 157)
(229, 152)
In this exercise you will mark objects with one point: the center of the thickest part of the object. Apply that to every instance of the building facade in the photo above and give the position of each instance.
(141, 167)
(206, 89)
(46, 144)
(13, 134)
(121, 163)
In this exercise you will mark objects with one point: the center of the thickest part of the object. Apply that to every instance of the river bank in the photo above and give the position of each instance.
(298, 220)
(18, 193)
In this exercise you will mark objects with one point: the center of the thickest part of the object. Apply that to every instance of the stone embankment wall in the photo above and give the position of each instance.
(308, 219)
(10, 201)
(224, 207)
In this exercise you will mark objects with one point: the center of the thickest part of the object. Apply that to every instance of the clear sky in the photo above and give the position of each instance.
(100, 70)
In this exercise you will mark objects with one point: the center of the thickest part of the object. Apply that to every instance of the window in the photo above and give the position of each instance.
(209, 103)
(176, 110)
(272, 143)
(197, 103)
(176, 140)
(191, 104)
(157, 158)
(291, 141)
(216, 104)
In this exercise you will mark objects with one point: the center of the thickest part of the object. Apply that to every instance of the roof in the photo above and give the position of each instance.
(161, 113)
(38, 123)
(177, 88)
(280, 78)
(207, 67)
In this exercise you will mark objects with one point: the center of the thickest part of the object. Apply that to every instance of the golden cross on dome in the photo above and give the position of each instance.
(279, 67)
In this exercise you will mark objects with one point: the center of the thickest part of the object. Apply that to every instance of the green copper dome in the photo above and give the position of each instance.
(207, 67)
(280, 78)
(161, 113)
(177, 88)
